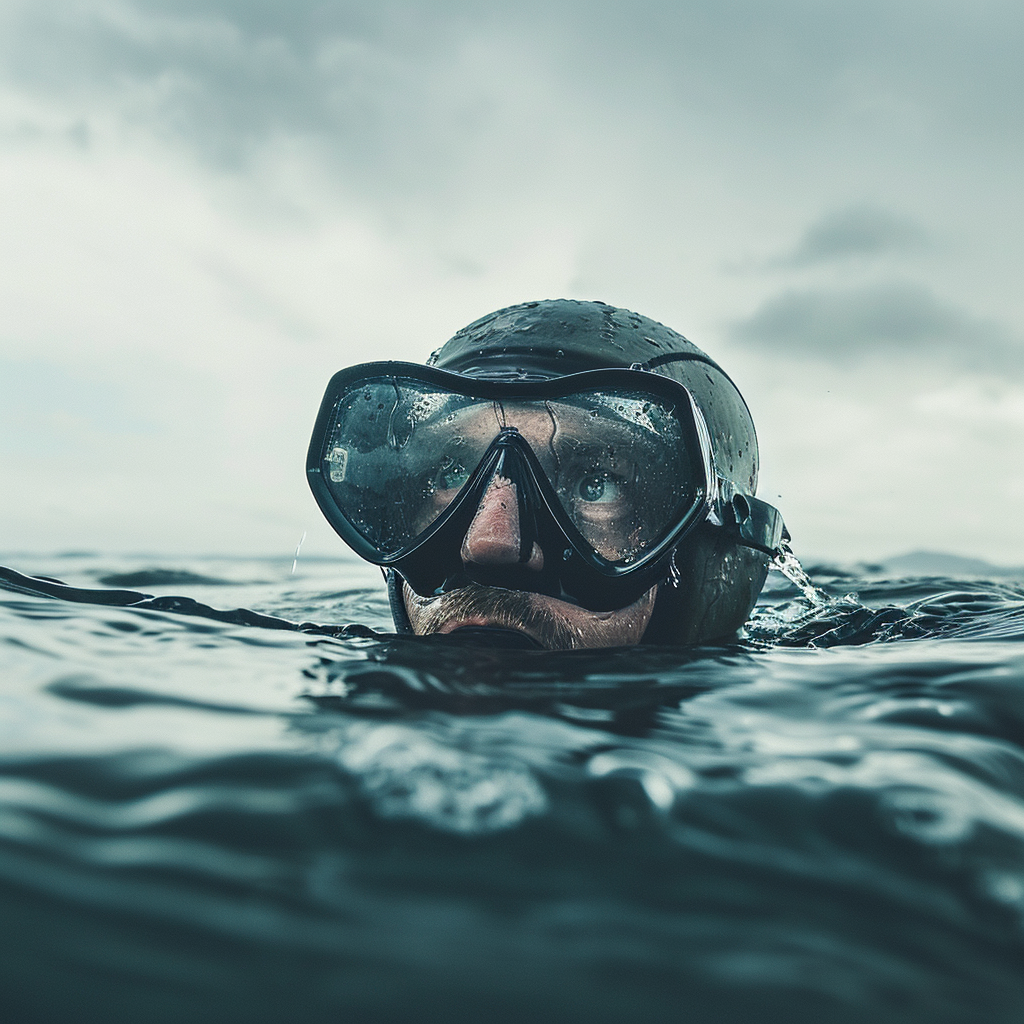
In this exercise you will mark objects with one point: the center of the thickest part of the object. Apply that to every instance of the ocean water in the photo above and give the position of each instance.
(219, 817)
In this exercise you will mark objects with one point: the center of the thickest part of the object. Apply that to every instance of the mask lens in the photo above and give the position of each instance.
(393, 461)
(399, 452)
(621, 468)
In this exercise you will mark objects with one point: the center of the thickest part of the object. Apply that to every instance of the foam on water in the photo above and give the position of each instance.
(214, 815)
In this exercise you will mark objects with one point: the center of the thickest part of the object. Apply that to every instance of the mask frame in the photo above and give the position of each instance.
(573, 571)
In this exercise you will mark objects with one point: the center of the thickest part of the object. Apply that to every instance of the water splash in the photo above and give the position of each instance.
(789, 565)
(298, 548)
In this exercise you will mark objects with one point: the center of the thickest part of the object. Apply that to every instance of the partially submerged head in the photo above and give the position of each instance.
(564, 471)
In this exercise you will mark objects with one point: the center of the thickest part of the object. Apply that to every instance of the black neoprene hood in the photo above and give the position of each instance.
(555, 337)
(560, 336)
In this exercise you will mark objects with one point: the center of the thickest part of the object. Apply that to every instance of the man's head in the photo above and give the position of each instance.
(562, 471)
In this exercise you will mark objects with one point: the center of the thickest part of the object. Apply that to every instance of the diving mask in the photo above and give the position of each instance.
(612, 468)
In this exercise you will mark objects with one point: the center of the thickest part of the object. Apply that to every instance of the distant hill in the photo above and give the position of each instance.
(937, 563)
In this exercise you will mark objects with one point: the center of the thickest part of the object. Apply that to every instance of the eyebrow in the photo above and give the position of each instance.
(566, 424)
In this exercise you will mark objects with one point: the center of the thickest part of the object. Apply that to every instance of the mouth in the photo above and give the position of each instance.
(485, 622)
(490, 630)
(502, 637)
(514, 618)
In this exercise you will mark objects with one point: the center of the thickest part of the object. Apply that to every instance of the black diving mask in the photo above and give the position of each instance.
(612, 469)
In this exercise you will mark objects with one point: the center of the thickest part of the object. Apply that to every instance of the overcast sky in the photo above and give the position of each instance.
(206, 208)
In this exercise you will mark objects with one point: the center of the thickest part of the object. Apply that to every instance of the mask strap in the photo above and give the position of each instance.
(396, 598)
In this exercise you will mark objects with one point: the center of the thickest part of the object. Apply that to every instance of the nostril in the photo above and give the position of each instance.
(536, 559)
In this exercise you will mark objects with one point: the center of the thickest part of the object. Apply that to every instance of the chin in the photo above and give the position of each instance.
(554, 624)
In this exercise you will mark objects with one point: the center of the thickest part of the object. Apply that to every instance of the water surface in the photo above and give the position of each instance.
(231, 819)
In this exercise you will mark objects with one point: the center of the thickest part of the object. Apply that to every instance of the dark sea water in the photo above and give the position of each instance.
(223, 819)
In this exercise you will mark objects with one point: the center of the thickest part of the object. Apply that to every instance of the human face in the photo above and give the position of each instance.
(596, 476)
(493, 539)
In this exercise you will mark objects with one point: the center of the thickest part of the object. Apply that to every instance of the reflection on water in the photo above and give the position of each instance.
(221, 819)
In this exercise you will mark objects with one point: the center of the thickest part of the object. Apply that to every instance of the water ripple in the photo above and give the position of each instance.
(227, 817)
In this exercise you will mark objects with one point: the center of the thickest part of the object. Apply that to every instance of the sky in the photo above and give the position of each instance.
(206, 208)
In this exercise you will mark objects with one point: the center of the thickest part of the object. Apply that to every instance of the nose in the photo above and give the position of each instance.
(493, 536)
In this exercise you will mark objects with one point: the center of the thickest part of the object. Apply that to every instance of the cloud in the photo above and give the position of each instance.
(890, 318)
(223, 79)
(855, 231)
(374, 81)
(211, 205)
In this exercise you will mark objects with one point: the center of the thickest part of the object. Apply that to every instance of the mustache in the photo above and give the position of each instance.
(513, 609)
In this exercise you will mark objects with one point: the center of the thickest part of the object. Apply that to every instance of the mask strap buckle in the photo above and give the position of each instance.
(757, 524)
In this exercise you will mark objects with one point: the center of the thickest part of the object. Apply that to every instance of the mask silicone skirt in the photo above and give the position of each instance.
(609, 466)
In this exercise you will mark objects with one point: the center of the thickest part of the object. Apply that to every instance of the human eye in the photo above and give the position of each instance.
(600, 487)
(451, 475)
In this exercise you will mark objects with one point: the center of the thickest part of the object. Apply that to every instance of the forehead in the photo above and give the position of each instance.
(593, 418)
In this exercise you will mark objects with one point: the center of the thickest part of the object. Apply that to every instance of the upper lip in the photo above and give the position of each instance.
(474, 620)
(487, 621)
